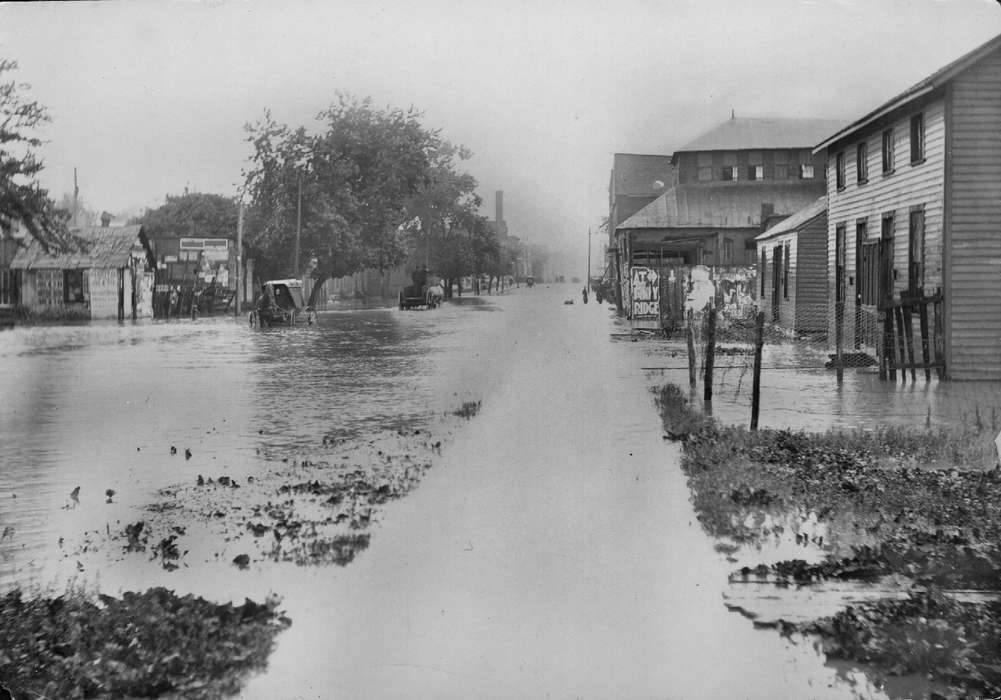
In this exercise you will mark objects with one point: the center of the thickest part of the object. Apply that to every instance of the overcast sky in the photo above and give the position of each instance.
(148, 98)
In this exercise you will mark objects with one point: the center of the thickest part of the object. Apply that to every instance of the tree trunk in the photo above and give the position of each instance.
(318, 283)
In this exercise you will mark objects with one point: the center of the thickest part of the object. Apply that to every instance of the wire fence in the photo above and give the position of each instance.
(763, 367)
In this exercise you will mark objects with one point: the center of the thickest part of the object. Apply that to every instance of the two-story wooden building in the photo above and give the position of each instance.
(914, 223)
(730, 184)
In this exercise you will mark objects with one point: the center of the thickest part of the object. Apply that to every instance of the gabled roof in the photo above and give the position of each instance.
(93, 247)
(742, 133)
(919, 89)
(801, 217)
(635, 174)
(724, 206)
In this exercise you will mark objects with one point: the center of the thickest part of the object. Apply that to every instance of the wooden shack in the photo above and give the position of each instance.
(106, 273)
(792, 271)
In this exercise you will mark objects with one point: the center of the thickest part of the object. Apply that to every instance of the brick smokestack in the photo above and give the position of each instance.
(499, 206)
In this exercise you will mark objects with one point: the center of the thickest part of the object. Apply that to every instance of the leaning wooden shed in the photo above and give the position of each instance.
(107, 272)
(792, 272)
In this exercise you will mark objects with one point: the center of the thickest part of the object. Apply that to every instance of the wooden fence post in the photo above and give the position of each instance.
(690, 336)
(925, 349)
(759, 342)
(839, 340)
(707, 394)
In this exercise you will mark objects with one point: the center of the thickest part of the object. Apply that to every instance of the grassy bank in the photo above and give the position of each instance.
(922, 506)
(150, 644)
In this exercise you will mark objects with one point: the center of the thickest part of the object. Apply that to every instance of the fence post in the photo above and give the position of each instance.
(839, 347)
(707, 394)
(759, 341)
(690, 336)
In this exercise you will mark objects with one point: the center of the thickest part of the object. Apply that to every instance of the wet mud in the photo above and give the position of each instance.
(884, 543)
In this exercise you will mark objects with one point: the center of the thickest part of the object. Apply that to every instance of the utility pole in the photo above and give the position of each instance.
(298, 232)
(239, 257)
(587, 279)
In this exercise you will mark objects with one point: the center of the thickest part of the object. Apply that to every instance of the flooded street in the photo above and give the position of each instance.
(540, 544)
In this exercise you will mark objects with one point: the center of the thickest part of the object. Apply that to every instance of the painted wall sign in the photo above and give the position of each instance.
(645, 288)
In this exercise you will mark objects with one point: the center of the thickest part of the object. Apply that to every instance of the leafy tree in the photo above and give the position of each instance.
(195, 214)
(349, 185)
(445, 231)
(22, 199)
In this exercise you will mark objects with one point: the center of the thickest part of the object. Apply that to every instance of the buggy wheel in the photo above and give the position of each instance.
(255, 320)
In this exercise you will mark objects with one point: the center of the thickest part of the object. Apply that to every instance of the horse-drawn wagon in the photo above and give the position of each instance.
(281, 302)
(421, 294)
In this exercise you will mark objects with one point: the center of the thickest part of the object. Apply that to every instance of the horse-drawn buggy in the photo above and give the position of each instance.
(421, 293)
(281, 302)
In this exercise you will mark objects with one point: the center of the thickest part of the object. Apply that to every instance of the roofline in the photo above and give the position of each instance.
(873, 116)
(919, 89)
(646, 155)
(768, 234)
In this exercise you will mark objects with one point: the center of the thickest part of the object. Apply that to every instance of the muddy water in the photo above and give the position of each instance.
(551, 550)
(798, 391)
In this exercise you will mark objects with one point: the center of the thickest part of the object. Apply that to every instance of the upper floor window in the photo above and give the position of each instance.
(839, 170)
(781, 160)
(887, 151)
(705, 161)
(730, 172)
(806, 171)
(918, 138)
(862, 163)
(756, 172)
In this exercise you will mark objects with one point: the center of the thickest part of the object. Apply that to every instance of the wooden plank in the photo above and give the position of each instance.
(889, 363)
(926, 359)
(909, 337)
(902, 351)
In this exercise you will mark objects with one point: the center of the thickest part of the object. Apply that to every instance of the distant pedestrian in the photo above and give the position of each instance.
(583, 294)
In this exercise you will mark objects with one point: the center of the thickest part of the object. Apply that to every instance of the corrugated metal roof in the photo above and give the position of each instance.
(720, 206)
(742, 133)
(796, 220)
(922, 87)
(94, 247)
(638, 174)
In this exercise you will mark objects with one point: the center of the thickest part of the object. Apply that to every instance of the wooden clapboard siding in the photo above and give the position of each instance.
(787, 307)
(908, 185)
(973, 299)
(811, 276)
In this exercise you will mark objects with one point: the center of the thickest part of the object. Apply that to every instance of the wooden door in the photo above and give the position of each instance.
(776, 281)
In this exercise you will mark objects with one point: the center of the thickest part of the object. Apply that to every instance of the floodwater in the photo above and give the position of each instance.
(548, 548)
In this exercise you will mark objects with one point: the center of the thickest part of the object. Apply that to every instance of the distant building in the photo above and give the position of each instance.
(914, 189)
(635, 181)
(729, 185)
(107, 274)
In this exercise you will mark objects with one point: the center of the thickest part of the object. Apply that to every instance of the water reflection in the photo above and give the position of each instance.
(116, 406)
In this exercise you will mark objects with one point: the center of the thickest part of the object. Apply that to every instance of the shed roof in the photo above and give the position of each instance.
(919, 89)
(801, 217)
(731, 205)
(742, 133)
(92, 247)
